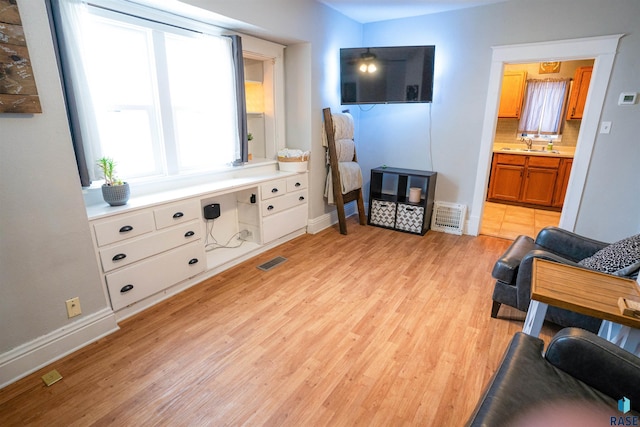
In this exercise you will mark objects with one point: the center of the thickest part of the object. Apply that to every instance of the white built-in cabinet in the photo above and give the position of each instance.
(150, 250)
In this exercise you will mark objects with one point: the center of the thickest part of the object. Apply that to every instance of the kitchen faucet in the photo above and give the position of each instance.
(527, 141)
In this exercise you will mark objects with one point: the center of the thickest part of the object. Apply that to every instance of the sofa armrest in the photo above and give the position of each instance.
(523, 282)
(567, 244)
(597, 363)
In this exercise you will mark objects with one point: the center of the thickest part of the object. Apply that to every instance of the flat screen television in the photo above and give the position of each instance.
(386, 75)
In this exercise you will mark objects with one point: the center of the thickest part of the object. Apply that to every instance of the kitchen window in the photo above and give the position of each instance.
(544, 108)
(159, 97)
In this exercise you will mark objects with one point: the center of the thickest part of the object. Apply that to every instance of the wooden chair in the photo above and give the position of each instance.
(341, 199)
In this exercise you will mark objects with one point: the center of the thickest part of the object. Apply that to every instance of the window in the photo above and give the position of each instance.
(544, 106)
(159, 98)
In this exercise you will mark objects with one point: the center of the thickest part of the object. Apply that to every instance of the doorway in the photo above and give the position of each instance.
(510, 220)
(603, 49)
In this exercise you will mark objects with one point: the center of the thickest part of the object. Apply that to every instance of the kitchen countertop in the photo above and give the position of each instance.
(515, 148)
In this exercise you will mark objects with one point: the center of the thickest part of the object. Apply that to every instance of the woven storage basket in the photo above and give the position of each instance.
(293, 164)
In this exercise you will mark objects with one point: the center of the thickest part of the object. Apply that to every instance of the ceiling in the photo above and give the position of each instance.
(365, 11)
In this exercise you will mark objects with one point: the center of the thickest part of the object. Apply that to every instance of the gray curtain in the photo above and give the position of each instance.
(69, 96)
(240, 95)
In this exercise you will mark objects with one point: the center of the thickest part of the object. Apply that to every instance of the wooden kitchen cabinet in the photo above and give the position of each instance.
(507, 174)
(512, 93)
(579, 90)
(563, 182)
(527, 180)
(540, 180)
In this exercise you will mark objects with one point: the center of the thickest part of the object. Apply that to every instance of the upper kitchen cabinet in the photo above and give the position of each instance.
(513, 83)
(579, 90)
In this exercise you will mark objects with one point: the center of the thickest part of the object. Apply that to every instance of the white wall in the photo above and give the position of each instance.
(46, 254)
(397, 135)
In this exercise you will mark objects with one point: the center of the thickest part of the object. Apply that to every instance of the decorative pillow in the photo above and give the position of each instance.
(621, 258)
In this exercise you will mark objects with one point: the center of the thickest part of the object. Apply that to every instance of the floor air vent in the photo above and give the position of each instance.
(448, 217)
(271, 264)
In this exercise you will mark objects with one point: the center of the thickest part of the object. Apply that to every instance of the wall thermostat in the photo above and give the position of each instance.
(627, 98)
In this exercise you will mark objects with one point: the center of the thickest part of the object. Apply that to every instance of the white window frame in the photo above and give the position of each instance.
(161, 121)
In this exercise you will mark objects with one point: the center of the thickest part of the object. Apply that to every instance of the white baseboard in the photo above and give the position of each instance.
(318, 224)
(472, 227)
(31, 356)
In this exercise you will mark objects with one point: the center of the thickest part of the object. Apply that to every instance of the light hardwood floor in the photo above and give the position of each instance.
(374, 328)
(509, 221)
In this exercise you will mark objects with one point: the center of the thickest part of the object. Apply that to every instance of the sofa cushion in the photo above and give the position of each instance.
(526, 382)
(621, 258)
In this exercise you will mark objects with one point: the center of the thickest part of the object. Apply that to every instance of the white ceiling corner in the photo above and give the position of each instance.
(366, 11)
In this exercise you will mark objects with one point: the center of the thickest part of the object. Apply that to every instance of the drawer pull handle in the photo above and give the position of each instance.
(118, 257)
(189, 234)
(270, 207)
(298, 184)
(178, 215)
(126, 288)
(126, 228)
(301, 198)
(409, 209)
(274, 190)
(193, 261)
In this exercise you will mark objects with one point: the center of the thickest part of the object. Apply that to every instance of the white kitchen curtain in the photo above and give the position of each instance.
(543, 107)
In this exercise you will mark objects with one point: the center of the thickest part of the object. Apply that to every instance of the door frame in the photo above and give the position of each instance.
(603, 50)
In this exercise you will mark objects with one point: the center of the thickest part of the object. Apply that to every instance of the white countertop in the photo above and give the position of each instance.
(221, 186)
(558, 150)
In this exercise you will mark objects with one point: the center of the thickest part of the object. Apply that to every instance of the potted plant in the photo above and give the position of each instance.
(114, 190)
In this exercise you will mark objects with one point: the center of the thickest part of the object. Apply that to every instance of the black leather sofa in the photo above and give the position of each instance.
(580, 373)
(512, 272)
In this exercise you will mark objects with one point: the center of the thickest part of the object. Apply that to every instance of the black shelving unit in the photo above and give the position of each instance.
(389, 205)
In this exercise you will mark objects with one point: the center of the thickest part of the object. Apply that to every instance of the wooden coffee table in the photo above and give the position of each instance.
(587, 292)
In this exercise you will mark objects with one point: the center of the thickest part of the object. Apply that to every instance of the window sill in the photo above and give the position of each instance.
(142, 188)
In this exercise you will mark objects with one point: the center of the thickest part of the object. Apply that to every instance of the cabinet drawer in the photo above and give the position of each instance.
(297, 182)
(544, 162)
(176, 213)
(410, 218)
(126, 253)
(133, 283)
(123, 227)
(383, 213)
(283, 223)
(510, 159)
(273, 206)
(273, 189)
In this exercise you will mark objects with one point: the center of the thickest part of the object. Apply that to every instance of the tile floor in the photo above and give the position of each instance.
(509, 222)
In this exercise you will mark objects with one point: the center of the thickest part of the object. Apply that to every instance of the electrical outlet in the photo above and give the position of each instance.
(73, 307)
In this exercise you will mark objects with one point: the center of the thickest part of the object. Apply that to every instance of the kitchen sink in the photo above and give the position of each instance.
(531, 150)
